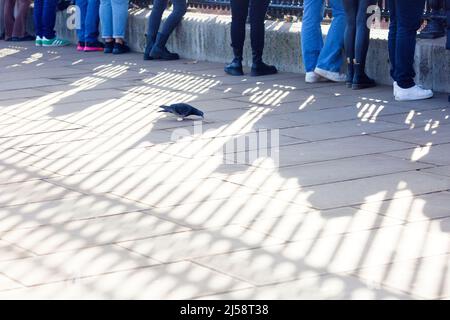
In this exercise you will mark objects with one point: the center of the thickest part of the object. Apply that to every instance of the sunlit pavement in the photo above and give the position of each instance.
(99, 199)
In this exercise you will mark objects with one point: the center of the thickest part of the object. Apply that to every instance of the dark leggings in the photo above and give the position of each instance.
(240, 10)
(154, 21)
(357, 34)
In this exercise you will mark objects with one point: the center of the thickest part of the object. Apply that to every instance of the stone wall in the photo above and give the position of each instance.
(207, 37)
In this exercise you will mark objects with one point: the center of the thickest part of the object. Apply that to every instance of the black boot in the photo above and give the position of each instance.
(159, 50)
(350, 73)
(259, 68)
(150, 41)
(235, 67)
(360, 78)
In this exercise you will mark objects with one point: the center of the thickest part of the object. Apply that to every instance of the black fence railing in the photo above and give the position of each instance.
(434, 11)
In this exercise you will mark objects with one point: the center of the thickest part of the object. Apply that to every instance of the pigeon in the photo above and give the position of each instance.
(182, 110)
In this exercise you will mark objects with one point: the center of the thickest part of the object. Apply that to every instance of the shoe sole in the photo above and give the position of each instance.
(416, 99)
(55, 45)
(91, 49)
(323, 75)
(362, 86)
(257, 74)
(234, 74)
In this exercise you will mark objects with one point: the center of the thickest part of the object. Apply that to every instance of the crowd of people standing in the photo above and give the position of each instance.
(323, 59)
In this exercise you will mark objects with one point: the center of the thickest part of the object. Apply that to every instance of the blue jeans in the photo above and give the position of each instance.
(87, 27)
(113, 17)
(154, 20)
(316, 53)
(405, 21)
(357, 34)
(44, 18)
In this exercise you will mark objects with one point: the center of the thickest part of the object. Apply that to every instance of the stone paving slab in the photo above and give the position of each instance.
(101, 196)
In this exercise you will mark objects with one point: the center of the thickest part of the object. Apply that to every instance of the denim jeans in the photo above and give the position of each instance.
(44, 18)
(316, 53)
(2, 25)
(357, 33)
(87, 27)
(240, 10)
(154, 20)
(405, 21)
(113, 17)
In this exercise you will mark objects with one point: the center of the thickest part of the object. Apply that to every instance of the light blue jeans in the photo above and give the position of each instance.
(316, 53)
(113, 17)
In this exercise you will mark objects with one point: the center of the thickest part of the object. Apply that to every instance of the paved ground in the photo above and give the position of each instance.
(98, 199)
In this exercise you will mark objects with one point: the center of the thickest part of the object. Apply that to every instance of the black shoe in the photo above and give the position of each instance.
(109, 47)
(163, 54)
(94, 46)
(26, 37)
(159, 50)
(235, 68)
(120, 48)
(350, 73)
(150, 41)
(360, 79)
(262, 69)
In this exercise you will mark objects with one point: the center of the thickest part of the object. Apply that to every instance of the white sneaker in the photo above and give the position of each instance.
(411, 94)
(312, 77)
(330, 75)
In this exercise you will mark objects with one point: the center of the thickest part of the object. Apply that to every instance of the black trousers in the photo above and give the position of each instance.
(240, 10)
(447, 6)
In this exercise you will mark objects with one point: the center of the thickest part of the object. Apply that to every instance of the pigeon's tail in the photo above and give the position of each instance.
(164, 109)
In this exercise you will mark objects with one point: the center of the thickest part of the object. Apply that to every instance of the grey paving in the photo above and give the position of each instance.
(285, 189)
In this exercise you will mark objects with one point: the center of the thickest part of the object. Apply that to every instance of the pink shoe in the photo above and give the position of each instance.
(80, 46)
(94, 46)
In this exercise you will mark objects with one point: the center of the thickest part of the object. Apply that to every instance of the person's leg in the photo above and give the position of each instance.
(174, 19)
(107, 24)
(351, 8)
(21, 19)
(363, 31)
(119, 18)
(311, 34)
(258, 10)
(239, 14)
(154, 22)
(91, 26)
(159, 49)
(330, 58)
(361, 80)
(81, 24)
(9, 18)
(48, 25)
(392, 38)
(49, 18)
(2, 20)
(409, 17)
(37, 19)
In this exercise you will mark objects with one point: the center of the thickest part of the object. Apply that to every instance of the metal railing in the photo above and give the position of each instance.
(434, 12)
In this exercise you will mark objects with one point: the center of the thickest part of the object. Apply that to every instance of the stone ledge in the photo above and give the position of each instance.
(207, 37)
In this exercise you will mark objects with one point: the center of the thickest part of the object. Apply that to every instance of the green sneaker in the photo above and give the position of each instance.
(55, 42)
(38, 41)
